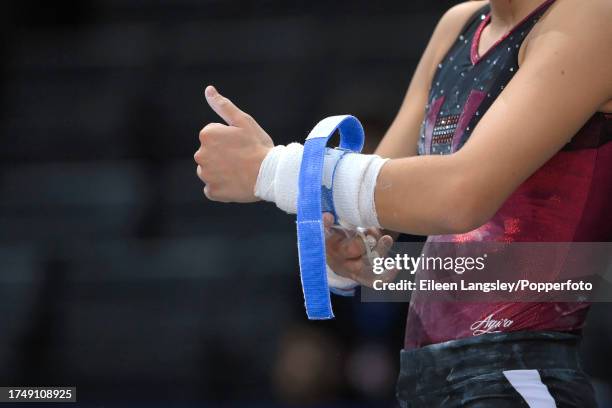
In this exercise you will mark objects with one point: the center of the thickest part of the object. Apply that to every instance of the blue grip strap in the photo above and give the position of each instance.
(311, 238)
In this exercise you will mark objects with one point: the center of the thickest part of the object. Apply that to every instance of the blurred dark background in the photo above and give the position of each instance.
(116, 275)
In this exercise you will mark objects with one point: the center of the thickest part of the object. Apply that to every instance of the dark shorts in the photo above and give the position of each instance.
(499, 370)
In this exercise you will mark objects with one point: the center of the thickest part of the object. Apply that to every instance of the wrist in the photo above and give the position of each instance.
(350, 177)
(265, 168)
(261, 155)
(278, 176)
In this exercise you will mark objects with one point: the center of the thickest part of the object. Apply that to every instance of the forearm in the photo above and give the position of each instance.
(400, 141)
(429, 195)
(421, 195)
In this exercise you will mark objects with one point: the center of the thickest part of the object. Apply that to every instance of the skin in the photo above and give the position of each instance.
(565, 71)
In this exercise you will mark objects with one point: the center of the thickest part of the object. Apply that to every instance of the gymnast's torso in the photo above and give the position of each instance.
(564, 201)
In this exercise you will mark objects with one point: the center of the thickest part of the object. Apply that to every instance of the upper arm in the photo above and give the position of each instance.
(401, 138)
(565, 77)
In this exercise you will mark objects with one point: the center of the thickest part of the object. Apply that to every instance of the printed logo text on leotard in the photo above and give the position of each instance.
(489, 325)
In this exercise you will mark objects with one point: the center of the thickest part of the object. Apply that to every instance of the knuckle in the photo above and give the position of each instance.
(246, 118)
(222, 101)
(200, 156)
(209, 192)
(203, 133)
(207, 131)
(209, 128)
(200, 173)
(375, 232)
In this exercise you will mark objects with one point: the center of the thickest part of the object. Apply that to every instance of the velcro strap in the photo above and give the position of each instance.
(311, 237)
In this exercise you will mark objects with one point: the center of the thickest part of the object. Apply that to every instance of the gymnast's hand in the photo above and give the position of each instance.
(230, 155)
(346, 252)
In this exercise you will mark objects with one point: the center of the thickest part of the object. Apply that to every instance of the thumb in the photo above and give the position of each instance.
(224, 107)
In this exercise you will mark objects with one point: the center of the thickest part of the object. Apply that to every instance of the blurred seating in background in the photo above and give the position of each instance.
(116, 275)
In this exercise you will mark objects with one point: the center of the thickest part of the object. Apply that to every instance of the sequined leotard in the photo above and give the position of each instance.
(565, 200)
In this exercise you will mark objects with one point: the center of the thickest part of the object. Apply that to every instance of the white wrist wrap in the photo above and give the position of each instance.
(344, 286)
(354, 182)
(277, 181)
(264, 186)
(354, 185)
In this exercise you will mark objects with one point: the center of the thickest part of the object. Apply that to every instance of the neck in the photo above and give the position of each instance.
(507, 13)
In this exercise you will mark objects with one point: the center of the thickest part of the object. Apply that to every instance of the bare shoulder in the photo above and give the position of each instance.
(580, 20)
(451, 24)
(574, 38)
(598, 11)
(464, 10)
(581, 28)
(457, 16)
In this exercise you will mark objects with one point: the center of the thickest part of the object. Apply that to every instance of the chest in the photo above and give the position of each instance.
(467, 82)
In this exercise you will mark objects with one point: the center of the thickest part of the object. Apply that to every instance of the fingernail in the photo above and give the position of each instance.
(210, 91)
(388, 242)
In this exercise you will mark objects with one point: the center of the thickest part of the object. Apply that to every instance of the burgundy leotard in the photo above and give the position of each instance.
(565, 200)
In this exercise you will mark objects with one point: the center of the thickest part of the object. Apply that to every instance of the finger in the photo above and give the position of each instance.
(200, 175)
(382, 249)
(375, 232)
(383, 245)
(328, 221)
(224, 107)
(210, 129)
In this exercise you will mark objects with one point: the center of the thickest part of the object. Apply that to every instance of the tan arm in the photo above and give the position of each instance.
(565, 78)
